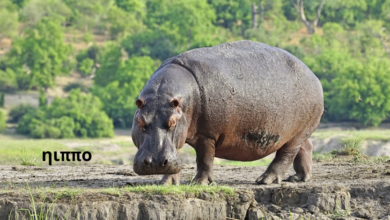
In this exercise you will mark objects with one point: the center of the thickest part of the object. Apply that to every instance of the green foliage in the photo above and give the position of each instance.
(7, 79)
(17, 112)
(42, 99)
(19, 3)
(75, 85)
(43, 51)
(348, 53)
(78, 115)
(87, 14)
(85, 66)
(119, 89)
(8, 19)
(54, 10)
(27, 158)
(3, 124)
(2, 99)
(192, 189)
(370, 82)
(123, 22)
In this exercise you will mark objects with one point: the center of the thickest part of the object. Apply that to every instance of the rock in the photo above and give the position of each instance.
(313, 209)
(321, 216)
(98, 206)
(297, 210)
(362, 213)
(274, 208)
(385, 218)
(293, 216)
(329, 201)
(284, 212)
(255, 213)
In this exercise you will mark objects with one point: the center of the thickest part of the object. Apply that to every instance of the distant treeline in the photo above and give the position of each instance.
(344, 42)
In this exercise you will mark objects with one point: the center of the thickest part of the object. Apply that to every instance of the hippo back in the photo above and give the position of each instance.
(250, 88)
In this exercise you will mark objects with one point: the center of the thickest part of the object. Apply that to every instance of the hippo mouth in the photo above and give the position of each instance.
(142, 169)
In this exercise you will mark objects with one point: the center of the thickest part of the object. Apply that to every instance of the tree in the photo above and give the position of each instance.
(54, 10)
(7, 79)
(119, 82)
(123, 22)
(8, 19)
(43, 52)
(310, 25)
(363, 92)
(87, 14)
(3, 124)
(78, 115)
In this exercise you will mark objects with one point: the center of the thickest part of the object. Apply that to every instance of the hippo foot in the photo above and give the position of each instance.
(204, 179)
(268, 178)
(173, 179)
(299, 178)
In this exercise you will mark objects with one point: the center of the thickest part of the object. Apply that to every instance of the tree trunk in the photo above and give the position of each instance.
(261, 14)
(254, 17)
(311, 26)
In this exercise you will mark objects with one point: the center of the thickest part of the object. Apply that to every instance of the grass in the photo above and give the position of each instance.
(379, 135)
(181, 189)
(262, 162)
(8, 150)
(27, 158)
(29, 151)
(38, 213)
(351, 152)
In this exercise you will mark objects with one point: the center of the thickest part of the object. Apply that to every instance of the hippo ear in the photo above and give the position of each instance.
(140, 103)
(172, 121)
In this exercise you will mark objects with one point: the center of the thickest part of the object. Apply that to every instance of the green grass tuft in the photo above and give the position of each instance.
(262, 162)
(27, 158)
(180, 190)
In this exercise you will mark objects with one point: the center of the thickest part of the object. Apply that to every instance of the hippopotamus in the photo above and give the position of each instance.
(239, 101)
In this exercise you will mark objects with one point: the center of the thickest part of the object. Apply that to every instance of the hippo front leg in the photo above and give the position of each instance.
(171, 179)
(205, 151)
(279, 166)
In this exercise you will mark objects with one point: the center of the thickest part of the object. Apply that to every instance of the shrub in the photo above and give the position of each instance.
(2, 122)
(119, 89)
(19, 111)
(75, 85)
(7, 79)
(2, 99)
(86, 66)
(78, 115)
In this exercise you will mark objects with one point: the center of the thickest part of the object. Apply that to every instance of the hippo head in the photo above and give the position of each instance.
(158, 132)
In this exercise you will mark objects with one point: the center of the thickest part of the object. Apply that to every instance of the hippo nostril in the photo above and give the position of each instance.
(165, 162)
(147, 161)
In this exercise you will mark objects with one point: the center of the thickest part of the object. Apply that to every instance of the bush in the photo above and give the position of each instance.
(7, 79)
(2, 122)
(78, 115)
(2, 99)
(76, 85)
(119, 89)
(19, 111)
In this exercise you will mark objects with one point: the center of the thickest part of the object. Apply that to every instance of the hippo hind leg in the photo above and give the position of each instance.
(283, 159)
(303, 162)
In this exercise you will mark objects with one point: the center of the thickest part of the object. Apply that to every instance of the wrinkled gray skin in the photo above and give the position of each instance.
(240, 101)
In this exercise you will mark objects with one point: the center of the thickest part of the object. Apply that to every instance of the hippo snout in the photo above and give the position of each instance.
(146, 164)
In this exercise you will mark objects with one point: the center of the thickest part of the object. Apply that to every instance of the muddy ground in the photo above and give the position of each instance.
(337, 190)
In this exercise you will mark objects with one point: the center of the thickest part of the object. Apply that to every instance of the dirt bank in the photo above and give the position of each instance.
(337, 189)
